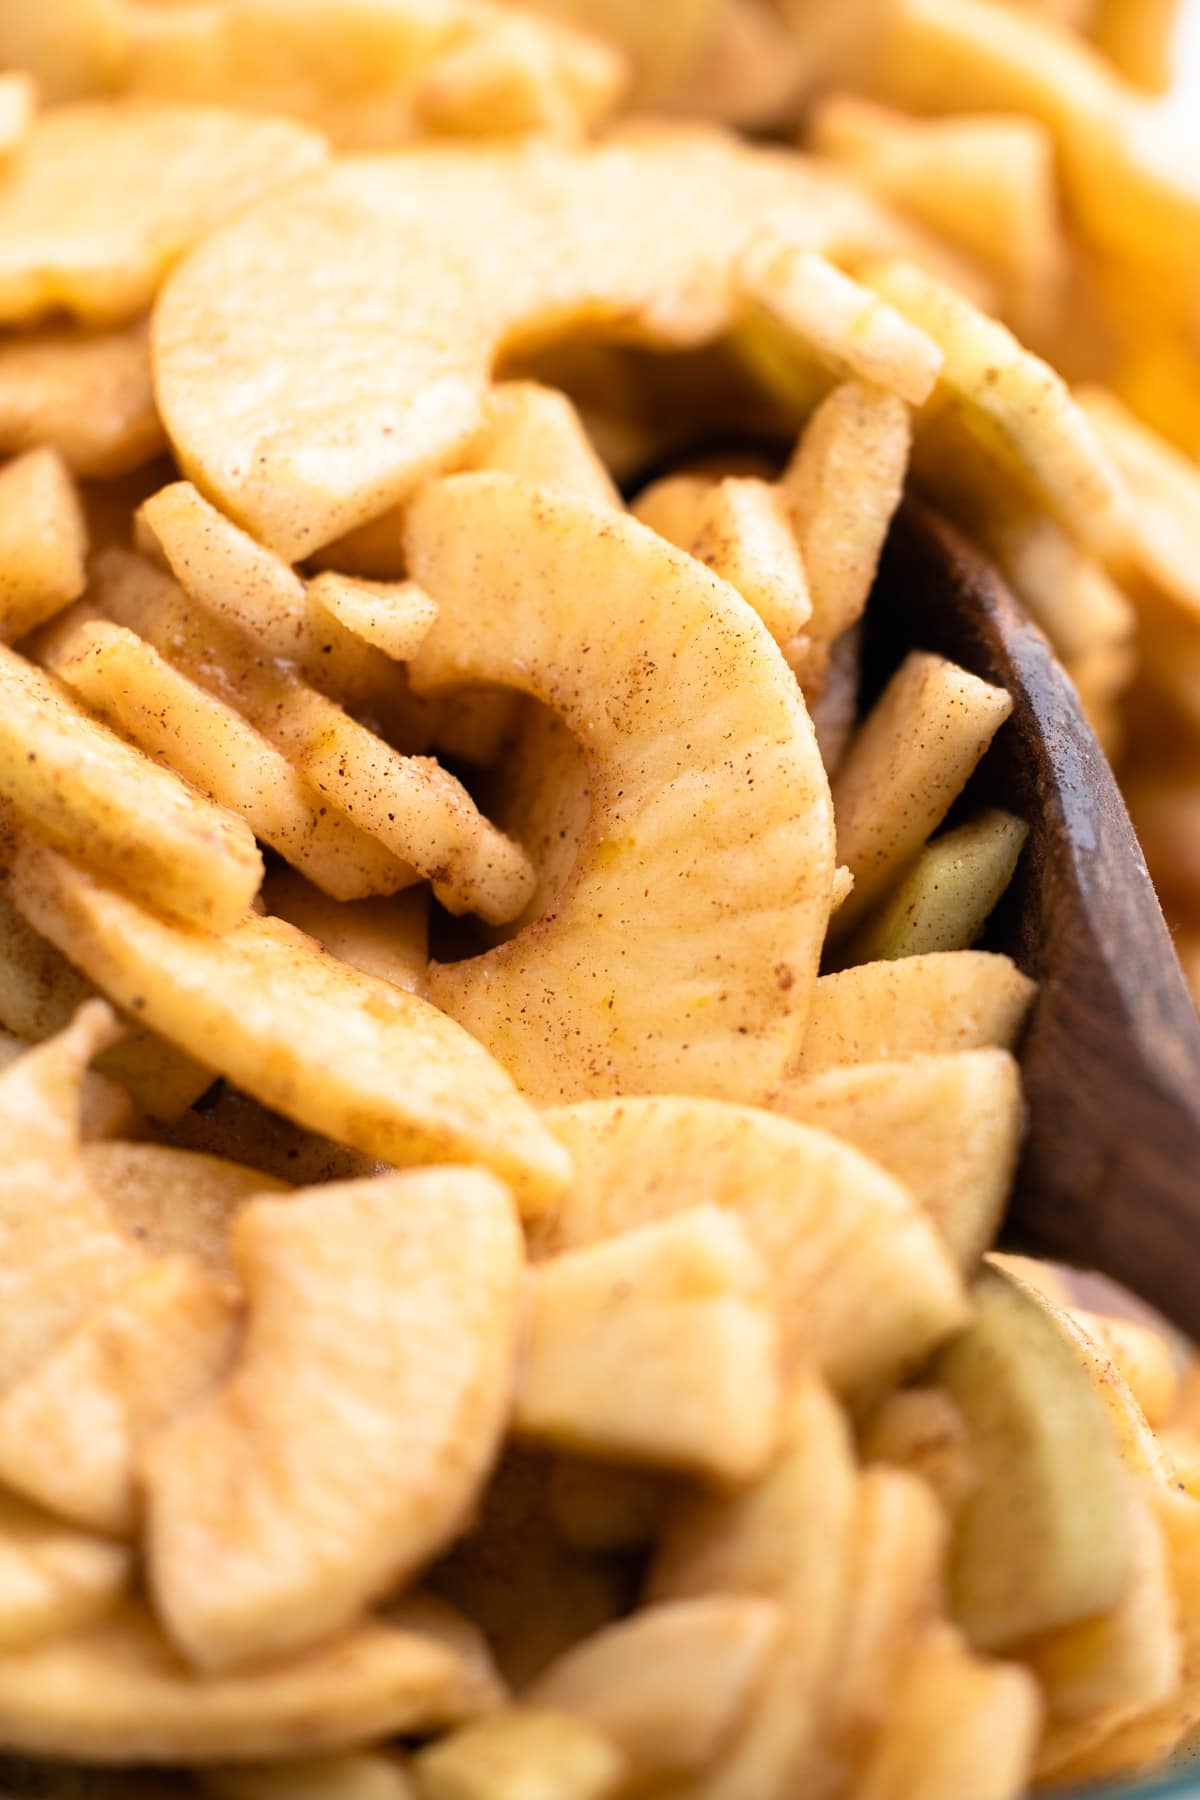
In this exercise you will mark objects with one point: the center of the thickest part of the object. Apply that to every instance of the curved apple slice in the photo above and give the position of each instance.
(372, 75)
(948, 1127)
(789, 1538)
(707, 794)
(53, 1577)
(352, 1439)
(60, 1253)
(72, 1429)
(670, 1684)
(303, 433)
(174, 1202)
(862, 1286)
(118, 1693)
(99, 248)
(343, 1053)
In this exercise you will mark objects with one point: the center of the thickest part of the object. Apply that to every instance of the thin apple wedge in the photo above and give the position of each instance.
(1044, 1539)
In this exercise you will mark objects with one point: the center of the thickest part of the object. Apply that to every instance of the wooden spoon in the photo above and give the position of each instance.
(1110, 1175)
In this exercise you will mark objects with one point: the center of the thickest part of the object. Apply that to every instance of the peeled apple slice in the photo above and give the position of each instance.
(118, 1693)
(60, 1253)
(670, 1684)
(664, 970)
(174, 1202)
(82, 230)
(790, 1538)
(371, 73)
(303, 433)
(352, 1439)
(343, 1053)
(948, 1127)
(71, 1431)
(53, 1578)
(862, 1288)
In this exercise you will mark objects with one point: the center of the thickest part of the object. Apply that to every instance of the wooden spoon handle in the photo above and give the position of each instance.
(1110, 1174)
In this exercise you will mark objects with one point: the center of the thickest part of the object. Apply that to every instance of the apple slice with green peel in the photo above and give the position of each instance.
(948, 894)
(1044, 1540)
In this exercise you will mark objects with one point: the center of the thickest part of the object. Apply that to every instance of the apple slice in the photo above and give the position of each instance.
(665, 971)
(863, 1290)
(1044, 1539)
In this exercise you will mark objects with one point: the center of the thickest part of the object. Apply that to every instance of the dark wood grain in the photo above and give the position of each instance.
(1110, 1176)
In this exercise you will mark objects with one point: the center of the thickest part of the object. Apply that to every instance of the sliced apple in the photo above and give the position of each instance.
(924, 1431)
(101, 800)
(105, 1109)
(919, 1006)
(416, 811)
(906, 765)
(43, 541)
(125, 681)
(657, 1347)
(961, 1726)
(1149, 1738)
(342, 1052)
(844, 323)
(535, 432)
(1147, 1359)
(899, 1551)
(18, 109)
(841, 489)
(862, 1289)
(670, 1685)
(373, 76)
(1110, 1671)
(118, 1693)
(248, 587)
(62, 1254)
(303, 434)
(100, 249)
(1044, 1539)
(386, 935)
(684, 709)
(988, 186)
(515, 1755)
(788, 1538)
(54, 1579)
(174, 1202)
(948, 894)
(72, 1429)
(948, 1127)
(89, 395)
(390, 616)
(40, 993)
(353, 1437)
(1014, 403)
(739, 528)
